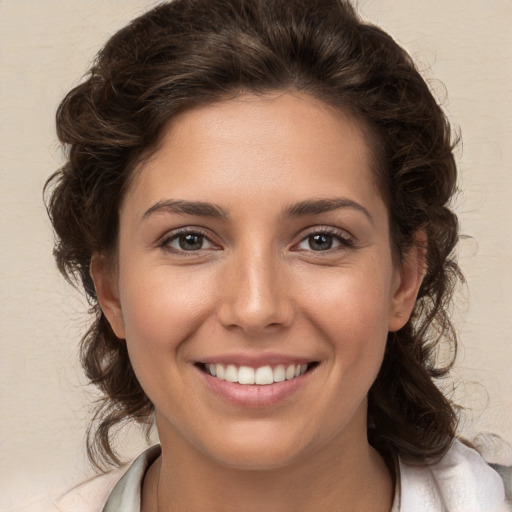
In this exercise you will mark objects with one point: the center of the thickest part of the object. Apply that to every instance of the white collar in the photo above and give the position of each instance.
(460, 482)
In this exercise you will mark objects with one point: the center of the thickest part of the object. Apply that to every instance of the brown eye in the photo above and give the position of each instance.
(320, 242)
(325, 241)
(189, 241)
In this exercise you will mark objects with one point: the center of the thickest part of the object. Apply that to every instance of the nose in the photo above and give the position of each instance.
(257, 296)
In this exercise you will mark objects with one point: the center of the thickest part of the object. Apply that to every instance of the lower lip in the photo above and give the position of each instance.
(255, 395)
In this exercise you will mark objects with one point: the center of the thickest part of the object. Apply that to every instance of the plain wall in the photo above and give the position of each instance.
(46, 46)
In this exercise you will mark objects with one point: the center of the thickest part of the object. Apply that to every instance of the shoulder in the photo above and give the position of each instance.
(113, 491)
(460, 482)
(91, 495)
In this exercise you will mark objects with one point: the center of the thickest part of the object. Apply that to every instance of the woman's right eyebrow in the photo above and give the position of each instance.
(200, 208)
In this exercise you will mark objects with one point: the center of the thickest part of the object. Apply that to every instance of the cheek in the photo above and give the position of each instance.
(161, 309)
(350, 311)
(348, 302)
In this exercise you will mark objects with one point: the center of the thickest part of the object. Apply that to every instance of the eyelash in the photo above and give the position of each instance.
(166, 241)
(346, 241)
(342, 237)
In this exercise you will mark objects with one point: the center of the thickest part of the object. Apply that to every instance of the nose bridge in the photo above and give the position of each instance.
(256, 297)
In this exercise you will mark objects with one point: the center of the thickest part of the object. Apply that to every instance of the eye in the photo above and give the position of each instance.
(324, 241)
(188, 241)
(318, 242)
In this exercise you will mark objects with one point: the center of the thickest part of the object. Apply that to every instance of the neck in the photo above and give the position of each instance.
(349, 477)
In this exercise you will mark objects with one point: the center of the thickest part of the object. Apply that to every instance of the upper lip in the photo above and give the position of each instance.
(256, 360)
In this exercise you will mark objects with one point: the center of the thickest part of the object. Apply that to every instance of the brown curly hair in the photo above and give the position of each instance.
(187, 52)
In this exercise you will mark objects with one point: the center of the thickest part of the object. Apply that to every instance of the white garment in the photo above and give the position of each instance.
(460, 482)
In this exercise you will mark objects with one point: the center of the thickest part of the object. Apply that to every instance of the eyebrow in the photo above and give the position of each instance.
(301, 209)
(318, 206)
(200, 208)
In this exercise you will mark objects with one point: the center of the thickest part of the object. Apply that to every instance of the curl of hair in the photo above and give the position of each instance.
(189, 52)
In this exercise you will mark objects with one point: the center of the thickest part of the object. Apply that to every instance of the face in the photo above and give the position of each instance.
(254, 247)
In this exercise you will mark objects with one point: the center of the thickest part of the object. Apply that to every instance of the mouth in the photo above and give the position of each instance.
(260, 376)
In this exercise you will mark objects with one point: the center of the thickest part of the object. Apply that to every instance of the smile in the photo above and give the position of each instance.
(261, 376)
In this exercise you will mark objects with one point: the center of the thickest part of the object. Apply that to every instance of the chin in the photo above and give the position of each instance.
(258, 451)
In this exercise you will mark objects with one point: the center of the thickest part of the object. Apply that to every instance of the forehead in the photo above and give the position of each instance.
(283, 145)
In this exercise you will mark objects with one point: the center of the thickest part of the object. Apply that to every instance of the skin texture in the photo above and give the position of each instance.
(253, 285)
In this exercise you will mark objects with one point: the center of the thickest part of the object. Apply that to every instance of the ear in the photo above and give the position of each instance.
(408, 278)
(104, 276)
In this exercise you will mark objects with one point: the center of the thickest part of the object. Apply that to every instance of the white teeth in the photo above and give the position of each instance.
(279, 373)
(245, 375)
(231, 374)
(290, 372)
(264, 375)
(261, 376)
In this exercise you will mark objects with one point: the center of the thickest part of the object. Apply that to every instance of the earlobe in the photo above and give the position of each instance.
(104, 277)
(408, 281)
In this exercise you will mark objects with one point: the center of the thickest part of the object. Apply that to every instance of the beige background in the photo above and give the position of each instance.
(46, 46)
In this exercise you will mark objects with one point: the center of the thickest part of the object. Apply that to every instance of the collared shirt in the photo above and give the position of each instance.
(126, 495)
(460, 482)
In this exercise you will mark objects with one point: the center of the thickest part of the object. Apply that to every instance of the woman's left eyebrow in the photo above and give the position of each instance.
(318, 206)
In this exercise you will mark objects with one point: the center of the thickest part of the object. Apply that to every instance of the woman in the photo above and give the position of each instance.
(256, 203)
